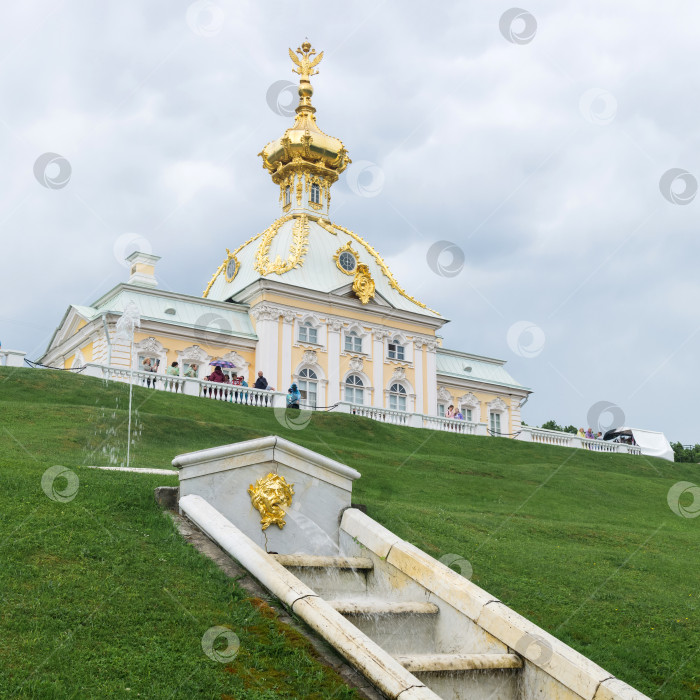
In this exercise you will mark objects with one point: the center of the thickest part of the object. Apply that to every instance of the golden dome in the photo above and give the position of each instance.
(304, 155)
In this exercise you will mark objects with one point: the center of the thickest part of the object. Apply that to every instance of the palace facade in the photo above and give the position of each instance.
(306, 300)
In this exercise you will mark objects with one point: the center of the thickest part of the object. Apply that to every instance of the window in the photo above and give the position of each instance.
(354, 393)
(315, 193)
(467, 414)
(308, 334)
(396, 351)
(308, 387)
(347, 261)
(495, 419)
(353, 342)
(287, 195)
(441, 410)
(397, 398)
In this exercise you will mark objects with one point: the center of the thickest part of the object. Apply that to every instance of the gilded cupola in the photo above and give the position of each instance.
(305, 162)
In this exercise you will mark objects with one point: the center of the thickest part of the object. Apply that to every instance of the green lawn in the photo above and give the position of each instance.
(99, 594)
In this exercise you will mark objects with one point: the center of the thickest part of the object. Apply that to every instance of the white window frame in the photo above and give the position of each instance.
(315, 190)
(308, 329)
(353, 334)
(399, 349)
(353, 388)
(398, 397)
(306, 380)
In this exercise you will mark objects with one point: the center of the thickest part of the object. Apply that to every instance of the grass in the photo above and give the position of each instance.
(99, 594)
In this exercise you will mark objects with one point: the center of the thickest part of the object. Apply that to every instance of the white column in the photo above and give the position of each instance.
(333, 344)
(418, 374)
(378, 367)
(266, 328)
(431, 374)
(286, 350)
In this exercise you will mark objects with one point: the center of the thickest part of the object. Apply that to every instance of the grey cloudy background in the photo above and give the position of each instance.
(539, 157)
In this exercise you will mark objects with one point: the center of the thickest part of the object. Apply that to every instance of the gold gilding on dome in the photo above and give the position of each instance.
(383, 266)
(297, 251)
(347, 248)
(269, 496)
(231, 266)
(304, 149)
(363, 284)
(222, 267)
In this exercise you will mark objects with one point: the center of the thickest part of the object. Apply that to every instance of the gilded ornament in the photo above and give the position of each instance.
(232, 267)
(270, 496)
(363, 285)
(347, 248)
(297, 251)
(392, 281)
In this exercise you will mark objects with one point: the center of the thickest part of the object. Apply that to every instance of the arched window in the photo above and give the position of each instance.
(287, 195)
(307, 333)
(397, 397)
(353, 342)
(354, 393)
(396, 350)
(315, 193)
(308, 386)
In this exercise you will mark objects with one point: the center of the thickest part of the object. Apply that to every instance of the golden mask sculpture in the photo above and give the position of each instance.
(270, 496)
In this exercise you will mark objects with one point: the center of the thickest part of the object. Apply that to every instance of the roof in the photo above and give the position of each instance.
(452, 363)
(303, 252)
(176, 309)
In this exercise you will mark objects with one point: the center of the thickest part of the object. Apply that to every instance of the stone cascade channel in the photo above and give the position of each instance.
(409, 630)
(414, 628)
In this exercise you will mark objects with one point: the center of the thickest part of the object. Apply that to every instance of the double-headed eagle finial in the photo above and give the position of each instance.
(307, 63)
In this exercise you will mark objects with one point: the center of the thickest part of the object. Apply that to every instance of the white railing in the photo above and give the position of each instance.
(12, 358)
(454, 425)
(250, 396)
(562, 439)
(243, 395)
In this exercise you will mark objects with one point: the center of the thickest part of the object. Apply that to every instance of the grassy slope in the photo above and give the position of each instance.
(582, 544)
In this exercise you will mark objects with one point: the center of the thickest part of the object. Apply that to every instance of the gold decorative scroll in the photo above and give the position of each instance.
(363, 285)
(270, 496)
(297, 251)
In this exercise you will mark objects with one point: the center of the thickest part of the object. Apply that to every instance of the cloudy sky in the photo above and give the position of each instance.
(553, 151)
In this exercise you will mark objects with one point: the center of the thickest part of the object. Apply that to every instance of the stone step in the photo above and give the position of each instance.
(367, 607)
(330, 577)
(321, 562)
(436, 663)
(402, 627)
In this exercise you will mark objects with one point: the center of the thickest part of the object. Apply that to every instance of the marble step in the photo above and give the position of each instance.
(367, 607)
(405, 627)
(435, 663)
(330, 577)
(321, 562)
